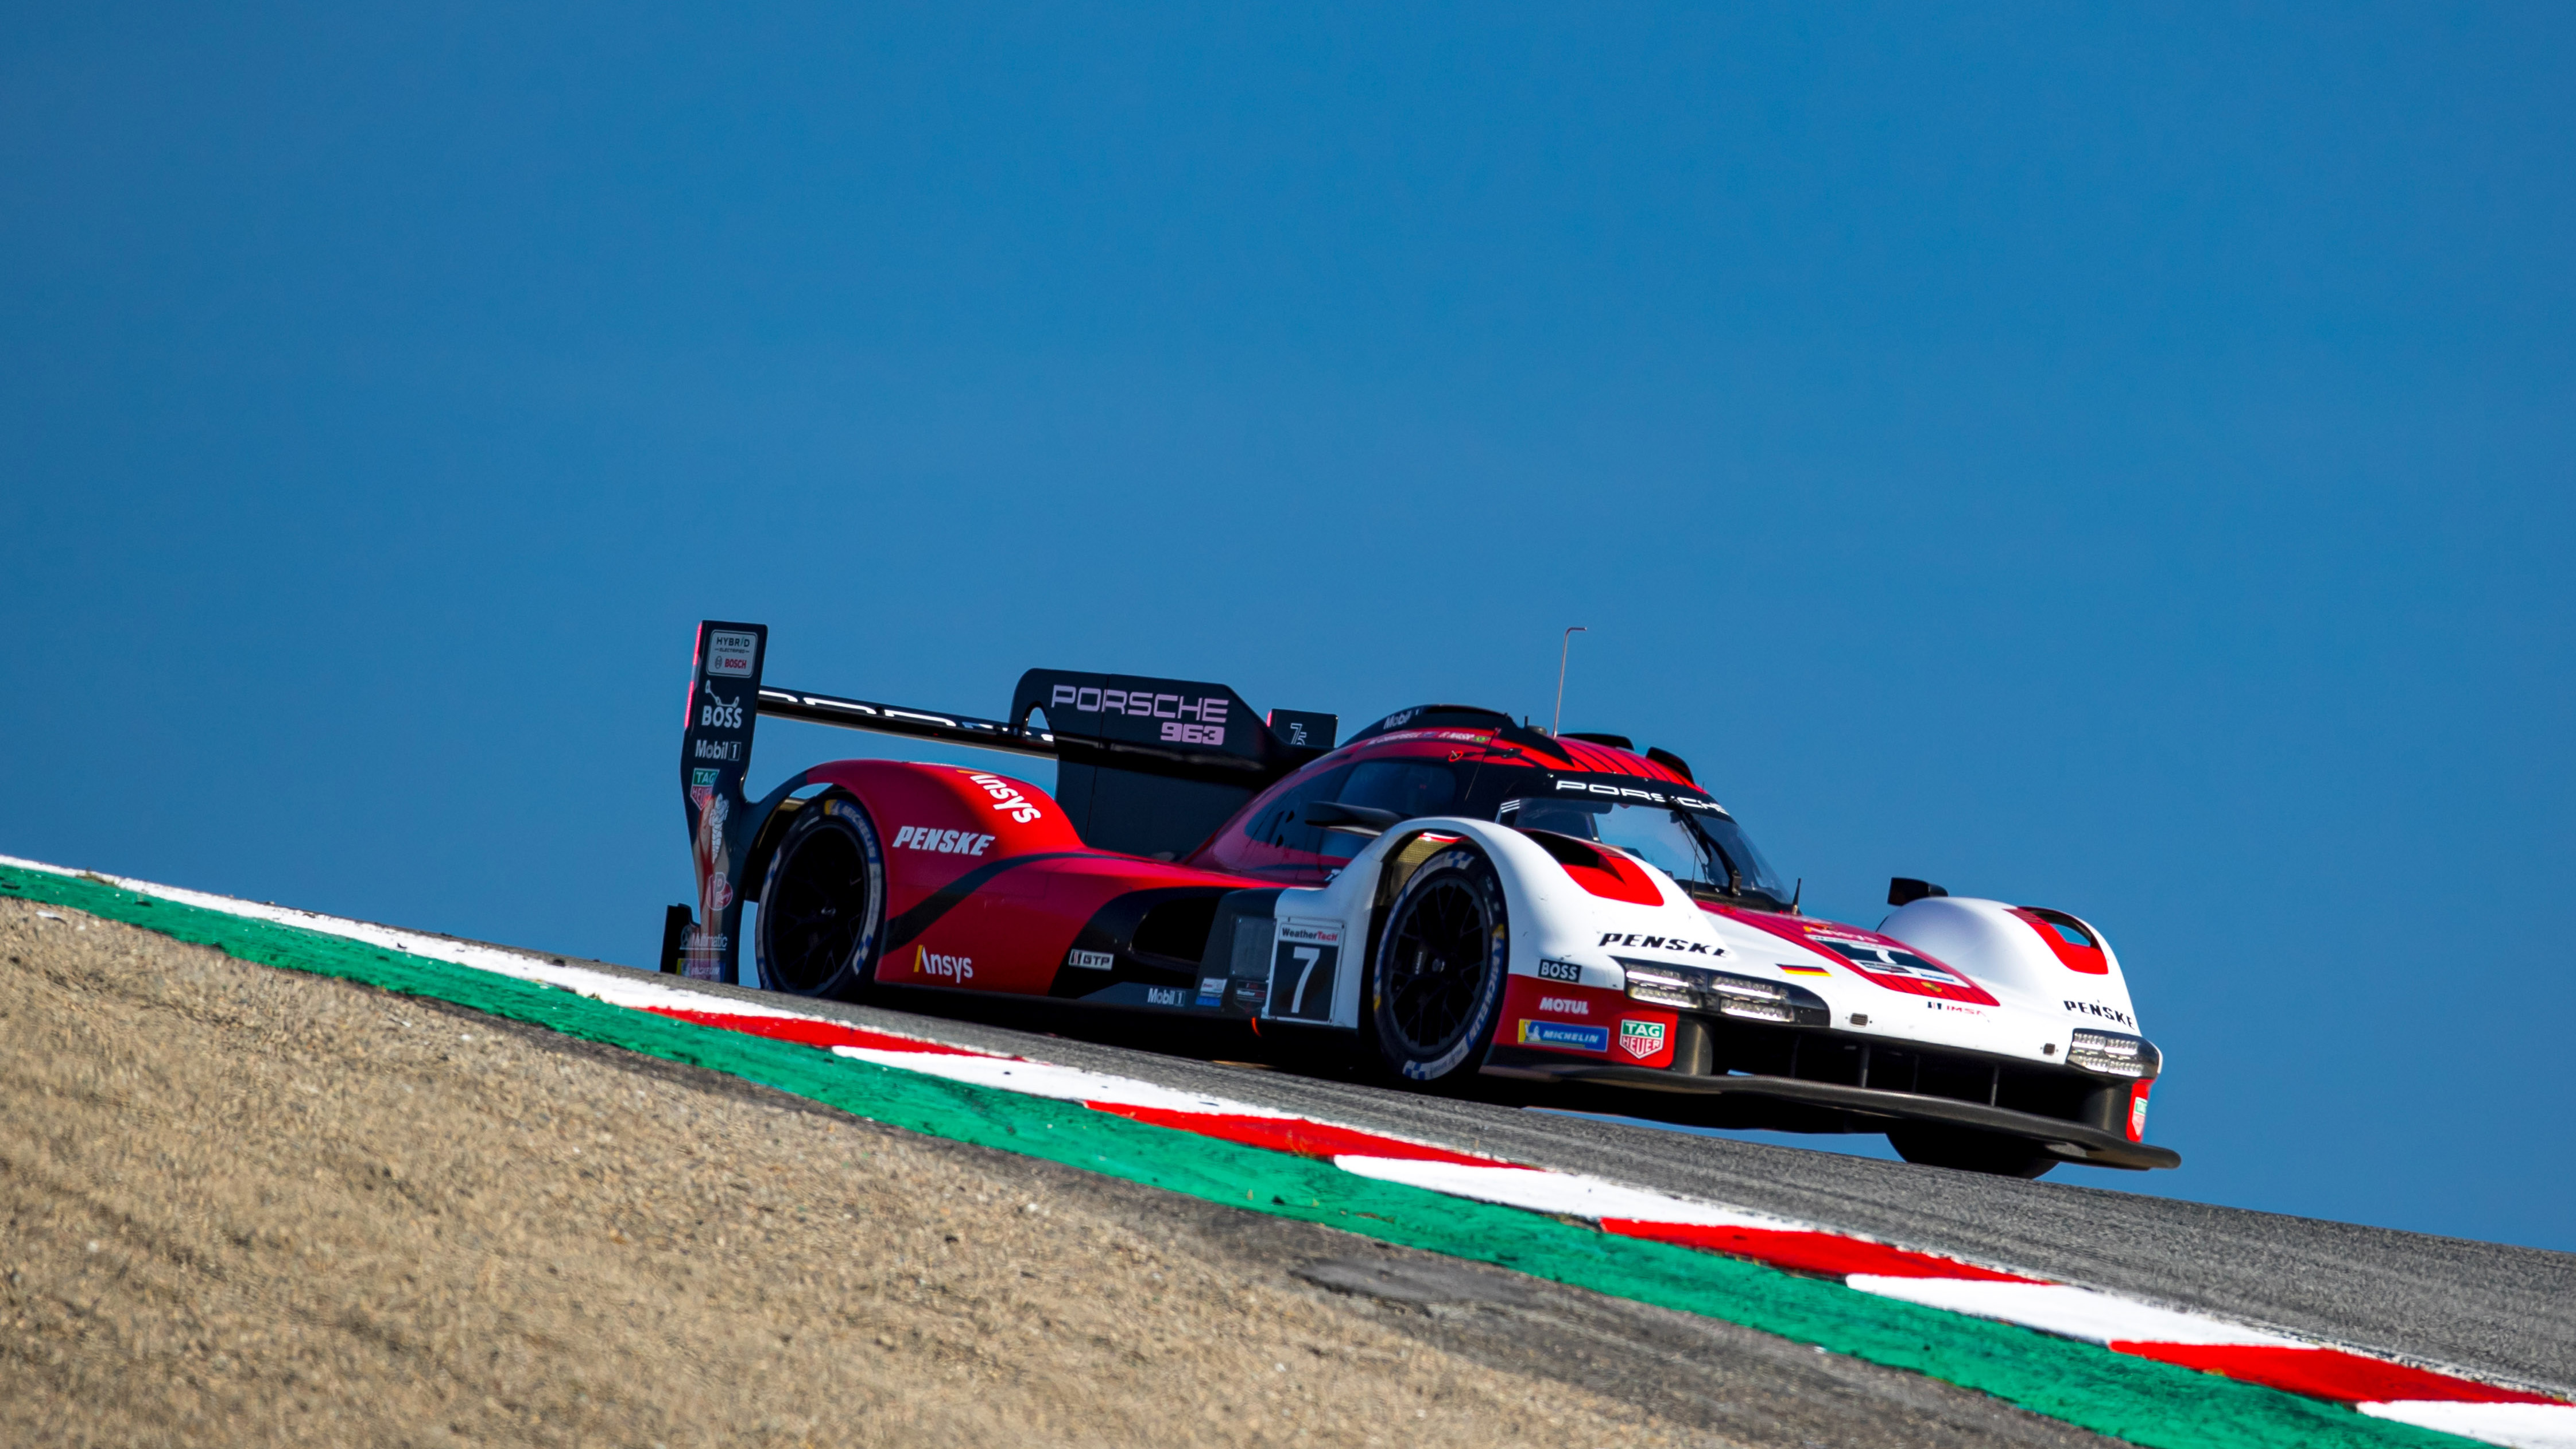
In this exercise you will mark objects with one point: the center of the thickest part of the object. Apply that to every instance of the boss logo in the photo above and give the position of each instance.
(942, 842)
(1560, 971)
(720, 713)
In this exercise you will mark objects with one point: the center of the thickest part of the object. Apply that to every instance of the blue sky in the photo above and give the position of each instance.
(2115, 459)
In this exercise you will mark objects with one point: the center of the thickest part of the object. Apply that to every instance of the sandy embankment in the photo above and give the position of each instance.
(245, 1206)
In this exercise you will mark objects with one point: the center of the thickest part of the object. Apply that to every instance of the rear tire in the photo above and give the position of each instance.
(1969, 1151)
(1436, 983)
(822, 903)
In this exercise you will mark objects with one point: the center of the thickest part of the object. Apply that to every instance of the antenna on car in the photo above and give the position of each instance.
(1562, 655)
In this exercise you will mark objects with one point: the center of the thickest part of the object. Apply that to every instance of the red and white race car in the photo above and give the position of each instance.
(1453, 893)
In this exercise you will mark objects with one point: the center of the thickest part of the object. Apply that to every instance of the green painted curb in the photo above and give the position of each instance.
(2130, 1398)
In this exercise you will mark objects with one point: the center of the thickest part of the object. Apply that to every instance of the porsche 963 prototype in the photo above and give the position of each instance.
(1452, 893)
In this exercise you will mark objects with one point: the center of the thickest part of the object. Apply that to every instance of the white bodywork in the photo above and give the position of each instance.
(2035, 1002)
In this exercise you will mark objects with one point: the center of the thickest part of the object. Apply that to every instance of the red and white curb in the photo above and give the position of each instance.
(2429, 1398)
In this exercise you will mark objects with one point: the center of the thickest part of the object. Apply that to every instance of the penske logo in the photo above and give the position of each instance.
(942, 842)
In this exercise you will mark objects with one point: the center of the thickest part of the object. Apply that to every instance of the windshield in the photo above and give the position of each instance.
(1700, 846)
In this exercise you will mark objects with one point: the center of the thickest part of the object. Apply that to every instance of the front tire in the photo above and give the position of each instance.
(1436, 983)
(822, 904)
(1970, 1151)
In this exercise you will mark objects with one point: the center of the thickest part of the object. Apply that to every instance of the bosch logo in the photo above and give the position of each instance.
(958, 970)
(1007, 798)
(719, 713)
(942, 842)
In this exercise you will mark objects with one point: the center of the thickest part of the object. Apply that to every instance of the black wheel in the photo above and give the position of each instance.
(1970, 1151)
(1437, 982)
(822, 903)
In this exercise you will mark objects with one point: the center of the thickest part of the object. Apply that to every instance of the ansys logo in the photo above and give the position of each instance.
(958, 969)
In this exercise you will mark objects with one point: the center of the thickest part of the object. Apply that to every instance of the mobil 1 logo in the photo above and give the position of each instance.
(1304, 958)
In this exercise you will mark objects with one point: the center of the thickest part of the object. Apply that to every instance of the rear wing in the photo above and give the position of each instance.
(1144, 766)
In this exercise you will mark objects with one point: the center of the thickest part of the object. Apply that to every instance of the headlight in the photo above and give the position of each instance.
(1748, 998)
(2114, 1054)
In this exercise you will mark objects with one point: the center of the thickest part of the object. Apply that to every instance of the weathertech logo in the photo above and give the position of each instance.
(957, 969)
(942, 842)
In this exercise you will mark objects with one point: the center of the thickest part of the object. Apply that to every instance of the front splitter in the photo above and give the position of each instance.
(2068, 1140)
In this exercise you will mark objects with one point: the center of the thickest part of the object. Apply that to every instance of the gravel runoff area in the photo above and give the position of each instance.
(239, 1205)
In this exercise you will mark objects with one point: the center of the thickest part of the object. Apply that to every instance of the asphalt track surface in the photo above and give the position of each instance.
(2491, 1309)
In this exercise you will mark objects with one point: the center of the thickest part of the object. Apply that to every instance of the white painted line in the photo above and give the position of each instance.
(1065, 1084)
(2081, 1313)
(1568, 1194)
(2523, 1426)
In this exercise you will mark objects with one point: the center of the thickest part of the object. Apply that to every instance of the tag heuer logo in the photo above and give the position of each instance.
(1641, 1039)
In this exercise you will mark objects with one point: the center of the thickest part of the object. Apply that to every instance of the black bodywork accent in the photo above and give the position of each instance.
(1788, 1079)
(1905, 890)
(903, 929)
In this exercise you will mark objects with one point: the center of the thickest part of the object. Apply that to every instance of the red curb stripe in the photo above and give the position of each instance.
(1800, 1251)
(811, 1031)
(2327, 1373)
(1298, 1135)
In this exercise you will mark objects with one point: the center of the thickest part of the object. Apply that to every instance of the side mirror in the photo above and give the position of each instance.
(1357, 819)
(1905, 890)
